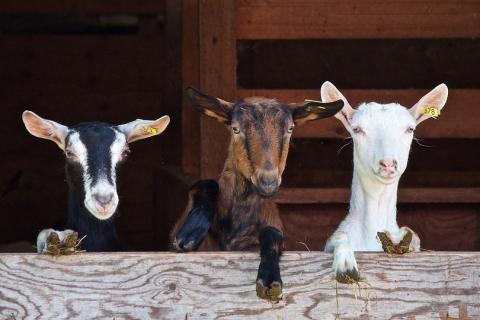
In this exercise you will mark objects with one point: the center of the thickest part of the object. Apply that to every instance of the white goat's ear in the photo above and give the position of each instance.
(142, 129)
(330, 93)
(430, 104)
(45, 129)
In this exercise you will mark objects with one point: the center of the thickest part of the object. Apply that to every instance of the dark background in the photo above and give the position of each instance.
(116, 61)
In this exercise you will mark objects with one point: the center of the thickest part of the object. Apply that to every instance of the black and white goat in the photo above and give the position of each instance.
(93, 151)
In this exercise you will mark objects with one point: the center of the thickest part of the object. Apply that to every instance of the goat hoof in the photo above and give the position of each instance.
(272, 293)
(71, 240)
(349, 276)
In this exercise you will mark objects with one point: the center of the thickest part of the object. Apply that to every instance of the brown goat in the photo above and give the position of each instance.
(238, 213)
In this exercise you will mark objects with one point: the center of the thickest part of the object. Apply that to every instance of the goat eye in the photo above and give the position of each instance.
(357, 130)
(70, 155)
(235, 130)
(290, 129)
(410, 130)
(125, 153)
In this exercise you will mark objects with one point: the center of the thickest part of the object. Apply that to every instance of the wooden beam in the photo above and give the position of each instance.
(405, 195)
(190, 77)
(217, 77)
(13, 7)
(427, 285)
(306, 19)
(459, 118)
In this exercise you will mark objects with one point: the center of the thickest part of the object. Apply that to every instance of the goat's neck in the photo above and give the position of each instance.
(100, 234)
(372, 209)
(238, 208)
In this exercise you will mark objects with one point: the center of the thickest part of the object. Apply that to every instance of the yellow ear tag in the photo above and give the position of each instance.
(149, 130)
(310, 108)
(432, 111)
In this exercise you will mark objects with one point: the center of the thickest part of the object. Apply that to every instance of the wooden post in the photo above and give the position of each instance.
(217, 77)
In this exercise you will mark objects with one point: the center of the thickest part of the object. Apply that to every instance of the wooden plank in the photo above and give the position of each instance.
(305, 19)
(217, 77)
(429, 285)
(14, 7)
(453, 122)
(405, 195)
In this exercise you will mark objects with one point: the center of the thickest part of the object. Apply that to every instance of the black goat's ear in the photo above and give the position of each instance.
(312, 110)
(216, 108)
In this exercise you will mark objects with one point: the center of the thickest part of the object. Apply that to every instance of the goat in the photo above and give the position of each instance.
(238, 213)
(93, 151)
(382, 135)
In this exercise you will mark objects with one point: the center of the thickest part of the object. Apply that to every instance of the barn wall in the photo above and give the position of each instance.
(65, 65)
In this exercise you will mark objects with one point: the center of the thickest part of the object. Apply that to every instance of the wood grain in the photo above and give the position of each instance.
(284, 19)
(220, 286)
(451, 124)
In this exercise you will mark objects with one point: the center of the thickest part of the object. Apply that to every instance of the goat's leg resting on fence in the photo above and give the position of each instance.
(191, 231)
(344, 263)
(48, 237)
(397, 237)
(269, 282)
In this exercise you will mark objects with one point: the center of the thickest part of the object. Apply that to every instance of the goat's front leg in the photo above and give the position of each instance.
(189, 232)
(269, 282)
(344, 264)
(50, 241)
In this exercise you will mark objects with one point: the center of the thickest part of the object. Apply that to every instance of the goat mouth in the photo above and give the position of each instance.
(386, 179)
(266, 194)
(100, 212)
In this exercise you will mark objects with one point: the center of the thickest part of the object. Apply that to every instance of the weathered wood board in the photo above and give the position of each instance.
(428, 285)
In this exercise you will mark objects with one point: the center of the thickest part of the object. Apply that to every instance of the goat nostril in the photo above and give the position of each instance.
(103, 199)
(267, 181)
(388, 163)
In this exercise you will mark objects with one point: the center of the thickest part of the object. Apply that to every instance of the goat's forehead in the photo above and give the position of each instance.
(95, 136)
(384, 115)
(260, 109)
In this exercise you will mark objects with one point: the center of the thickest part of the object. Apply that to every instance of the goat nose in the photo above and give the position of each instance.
(268, 180)
(388, 163)
(103, 199)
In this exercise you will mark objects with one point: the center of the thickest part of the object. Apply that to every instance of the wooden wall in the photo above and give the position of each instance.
(64, 62)
(372, 51)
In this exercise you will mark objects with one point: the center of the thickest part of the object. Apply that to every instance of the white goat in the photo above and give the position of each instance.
(382, 135)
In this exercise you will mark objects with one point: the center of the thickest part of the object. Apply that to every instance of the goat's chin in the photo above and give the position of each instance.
(387, 179)
(100, 215)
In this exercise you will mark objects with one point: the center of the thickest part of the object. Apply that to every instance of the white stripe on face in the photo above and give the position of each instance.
(101, 197)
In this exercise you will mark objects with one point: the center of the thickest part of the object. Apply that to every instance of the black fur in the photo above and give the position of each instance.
(100, 235)
(199, 219)
(270, 251)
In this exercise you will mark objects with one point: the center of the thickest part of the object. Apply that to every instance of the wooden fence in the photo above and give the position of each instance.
(428, 285)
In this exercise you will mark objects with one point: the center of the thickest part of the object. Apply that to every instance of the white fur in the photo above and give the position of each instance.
(379, 132)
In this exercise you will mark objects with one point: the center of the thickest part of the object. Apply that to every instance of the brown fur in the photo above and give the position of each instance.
(246, 218)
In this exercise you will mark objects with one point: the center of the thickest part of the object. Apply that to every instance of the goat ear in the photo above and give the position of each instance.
(142, 129)
(329, 92)
(216, 108)
(45, 129)
(430, 104)
(312, 110)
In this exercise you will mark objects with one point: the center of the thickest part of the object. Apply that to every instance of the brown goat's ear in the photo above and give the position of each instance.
(312, 110)
(216, 108)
